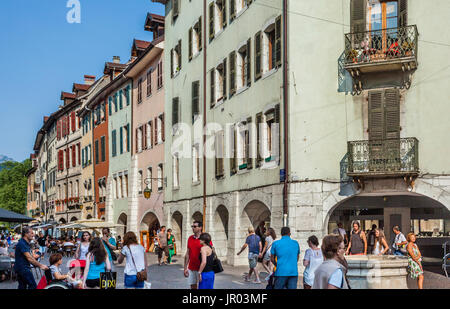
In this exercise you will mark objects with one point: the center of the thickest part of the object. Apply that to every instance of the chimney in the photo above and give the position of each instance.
(45, 119)
(89, 79)
(116, 59)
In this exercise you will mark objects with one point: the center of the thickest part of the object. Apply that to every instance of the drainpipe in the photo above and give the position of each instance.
(285, 117)
(204, 113)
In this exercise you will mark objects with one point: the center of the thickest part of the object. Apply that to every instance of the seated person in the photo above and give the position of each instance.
(3, 248)
(55, 263)
(68, 243)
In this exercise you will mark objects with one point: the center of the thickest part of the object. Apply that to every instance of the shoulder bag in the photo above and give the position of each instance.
(140, 275)
(217, 264)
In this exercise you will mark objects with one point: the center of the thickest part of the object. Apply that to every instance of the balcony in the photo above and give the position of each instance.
(390, 157)
(382, 50)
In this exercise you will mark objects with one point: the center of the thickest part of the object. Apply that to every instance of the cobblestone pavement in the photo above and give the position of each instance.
(171, 277)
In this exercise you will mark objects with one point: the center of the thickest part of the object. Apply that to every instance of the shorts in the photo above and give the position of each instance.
(131, 282)
(267, 256)
(193, 277)
(252, 260)
(161, 250)
(93, 283)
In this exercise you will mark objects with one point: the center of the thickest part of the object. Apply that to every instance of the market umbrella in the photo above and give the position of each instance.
(9, 216)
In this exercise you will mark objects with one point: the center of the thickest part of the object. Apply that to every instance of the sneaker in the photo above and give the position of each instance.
(257, 282)
(246, 279)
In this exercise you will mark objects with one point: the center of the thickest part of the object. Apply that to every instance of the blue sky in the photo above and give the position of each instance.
(41, 54)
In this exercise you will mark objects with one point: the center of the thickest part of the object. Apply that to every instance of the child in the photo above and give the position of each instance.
(55, 263)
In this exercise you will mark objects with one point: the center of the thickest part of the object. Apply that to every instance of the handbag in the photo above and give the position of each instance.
(140, 275)
(108, 280)
(217, 264)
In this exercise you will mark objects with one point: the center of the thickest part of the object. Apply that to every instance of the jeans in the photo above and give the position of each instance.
(42, 250)
(26, 280)
(286, 282)
(207, 281)
(132, 282)
(398, 253)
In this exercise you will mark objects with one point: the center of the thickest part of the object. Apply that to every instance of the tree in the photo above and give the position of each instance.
(13, 186)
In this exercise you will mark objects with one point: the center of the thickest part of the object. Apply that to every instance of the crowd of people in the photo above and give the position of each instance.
(325, 265)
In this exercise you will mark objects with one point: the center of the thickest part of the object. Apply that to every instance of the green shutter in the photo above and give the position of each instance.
(190, 44)
(249, 62)
(179, 54)
(258, 139)
(128, 138)
(114, 143)
(376, 116)
(110, 105)
(171, 62)
(224, 13)
(175, 111)
(120, 93)
(224, 79)
(232, 10)
(121, 140)
(249, 143)
(213, 87)
(128, 90)
(195, 99)
(392, 113)
(200, 35)
(278, 41)
(115, 102)
(232, 73)
(96, 152)
(403, 13)
(211, 21)
(277, 120)
(232, 150)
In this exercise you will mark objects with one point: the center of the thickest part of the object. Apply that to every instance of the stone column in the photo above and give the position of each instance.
(133, 201)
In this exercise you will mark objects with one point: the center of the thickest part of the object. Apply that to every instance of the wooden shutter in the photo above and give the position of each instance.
(175, 111)
(73, 121)
(110, 105)
(144, 136)
(258, 139)
(115, 102)
(249, 62)
(392, 113)
(358, 15)
(163, 136)
(156, 131)
(176, 8)
(79, 153)
(211, 21)
(200, 36)
(376, 116)
(213, 87)
(248, 141)
(151, 133)
(179, 54)
(258, 58)
(233, 168)
(403, 13)
(190, 44)
(278, 41)
(232, 73)
(128, 138)
(120, 94)
(219, 154)
(171, 62)
(58, 129)
(224, 13)
(232, 10)
(278, 139)
(121, 140)
(137, 140)
(114, 143)
(63, 121)
(195, 99)
(224, 79)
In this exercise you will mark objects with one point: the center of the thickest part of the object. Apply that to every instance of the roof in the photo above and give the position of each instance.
(9, 216)
(114, 66)
(139, 44)
(80, 87)
(67, 95)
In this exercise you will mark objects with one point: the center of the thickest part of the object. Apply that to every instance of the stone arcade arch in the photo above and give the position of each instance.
(255, 214)
(150, 223)
(197, 216)
(73, 219)
(122, 220)
(176, 224)
(220, 231)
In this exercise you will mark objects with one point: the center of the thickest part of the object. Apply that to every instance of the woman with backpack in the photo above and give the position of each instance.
(136, 262)
(96, 262)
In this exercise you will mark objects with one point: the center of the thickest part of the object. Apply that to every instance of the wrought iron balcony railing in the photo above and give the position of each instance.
(378, 47)
(384, 157)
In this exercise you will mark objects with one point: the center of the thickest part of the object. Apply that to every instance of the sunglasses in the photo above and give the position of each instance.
(194, 226)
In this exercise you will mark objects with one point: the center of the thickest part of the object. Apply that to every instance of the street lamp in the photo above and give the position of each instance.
(147, 190)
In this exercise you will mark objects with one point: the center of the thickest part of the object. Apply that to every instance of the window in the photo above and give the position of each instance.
(140, 182)
(195, 39)
(149, 132)
(195, 163)
(175, 111)
(176, 171)
(236, 6)
(271, 46)
(243, 77)
(219, 154)
(175, 59)
(139, 139)
(149, 83)
(125, 139)
(221, 81)
(140, 91)
(160, 177)
(159, 127)
(195, 100)
(268, 137)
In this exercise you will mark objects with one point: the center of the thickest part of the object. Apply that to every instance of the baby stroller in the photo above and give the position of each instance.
(47, 283)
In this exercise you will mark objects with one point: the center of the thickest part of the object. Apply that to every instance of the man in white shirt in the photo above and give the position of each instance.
(341, 231)
(399, 242)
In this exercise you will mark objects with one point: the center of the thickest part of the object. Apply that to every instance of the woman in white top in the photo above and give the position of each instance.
(270, 238)
(136, 261)
(380, 245)
(312, 260)
(83, 248)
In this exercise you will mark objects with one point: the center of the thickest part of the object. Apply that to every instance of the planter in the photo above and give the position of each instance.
(377, 272)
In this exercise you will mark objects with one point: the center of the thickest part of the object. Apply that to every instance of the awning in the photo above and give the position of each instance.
(9, 216)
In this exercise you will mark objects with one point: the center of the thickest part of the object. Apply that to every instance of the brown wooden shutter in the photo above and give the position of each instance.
(211, 21)
(224, 79)
(144, 136)
(171, 62)
(212, 87)
(258, 58)
(248, 141)
(258, 139)
(392, 113)
(278, 41)
(358, 15)
(151, 134)
(195, 99)
(403, 13)
(232, 150)
(190, 44)
(200, 35)
(163, 136)
(277, 121)
(249, 62)
(156, 130)
(376, 116)
(232, 73)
